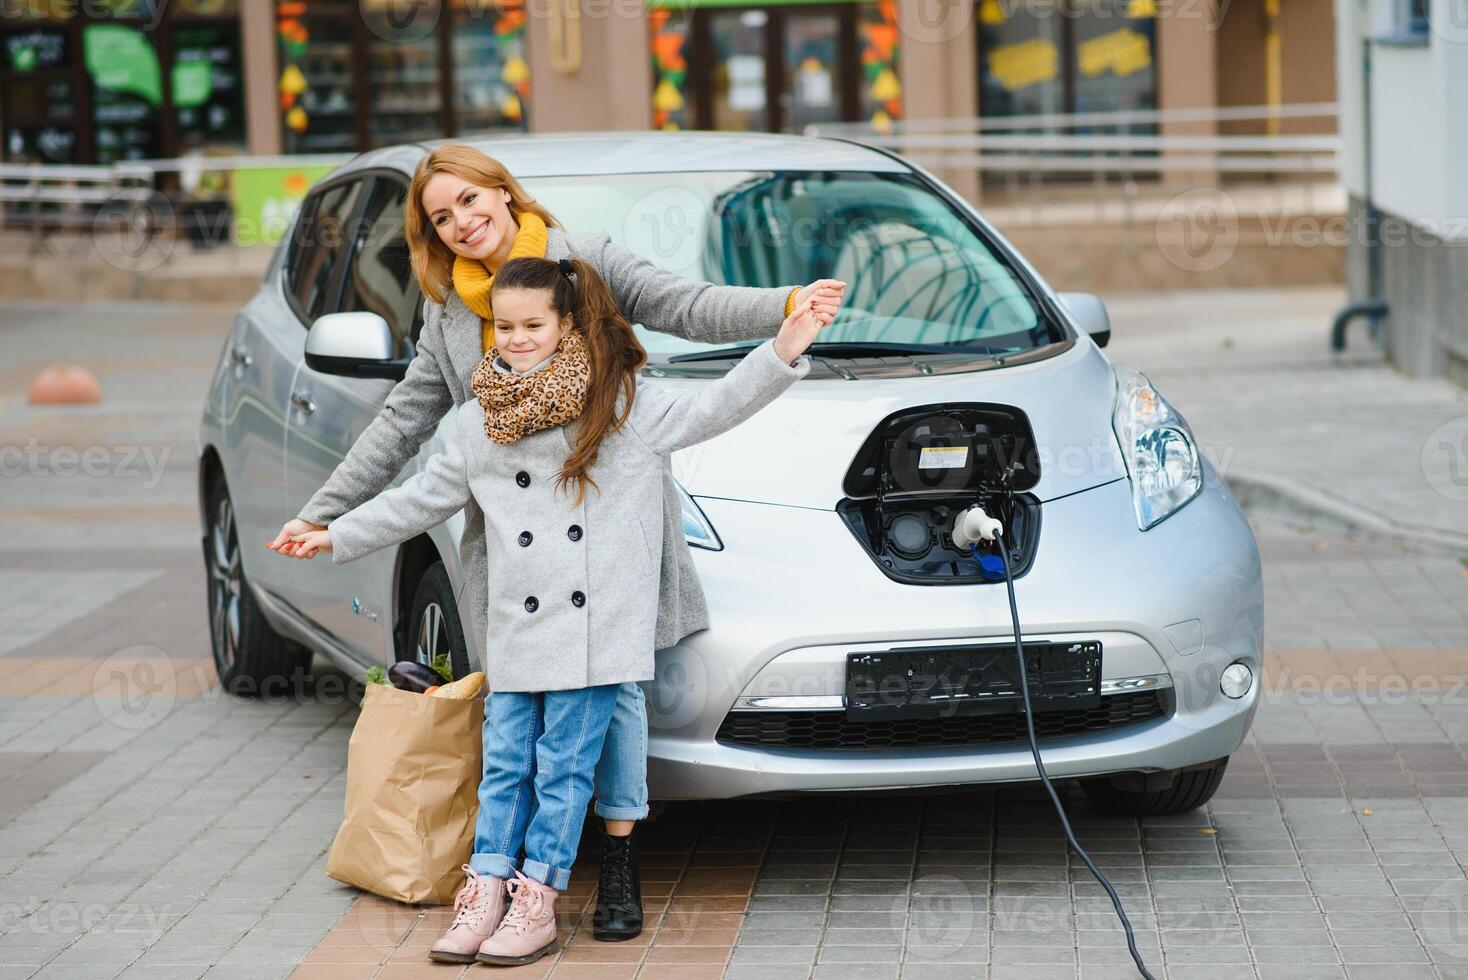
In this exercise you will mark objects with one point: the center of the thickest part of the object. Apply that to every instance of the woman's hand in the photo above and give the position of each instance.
(798, 332)
(282, 543)
(824, 295)
(307, 543)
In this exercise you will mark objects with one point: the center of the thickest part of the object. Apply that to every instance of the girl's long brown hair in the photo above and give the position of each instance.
(433, 261)
(615, 353)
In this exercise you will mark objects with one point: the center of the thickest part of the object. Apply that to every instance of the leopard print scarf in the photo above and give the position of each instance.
(515, 405)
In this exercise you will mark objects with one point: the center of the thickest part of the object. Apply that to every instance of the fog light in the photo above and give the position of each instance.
(1236, 680)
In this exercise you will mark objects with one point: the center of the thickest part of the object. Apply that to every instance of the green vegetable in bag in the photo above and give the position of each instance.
(376, 675)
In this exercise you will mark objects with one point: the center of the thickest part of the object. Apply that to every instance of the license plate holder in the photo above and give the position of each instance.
(939, 682)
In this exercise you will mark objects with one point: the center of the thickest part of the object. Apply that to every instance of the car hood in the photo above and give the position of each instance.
(797, 450)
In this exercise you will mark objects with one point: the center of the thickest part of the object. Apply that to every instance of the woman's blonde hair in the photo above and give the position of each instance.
(615, 353)
(433, 261)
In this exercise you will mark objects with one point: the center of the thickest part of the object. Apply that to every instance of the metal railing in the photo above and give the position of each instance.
(46, 198)
(1110, 143)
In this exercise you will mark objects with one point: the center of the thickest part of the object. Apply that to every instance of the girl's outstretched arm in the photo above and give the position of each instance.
(397, 515)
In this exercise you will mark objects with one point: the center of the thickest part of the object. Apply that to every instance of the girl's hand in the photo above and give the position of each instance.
(798, 332)
(307, 543)
(824, 296)
(282, 543)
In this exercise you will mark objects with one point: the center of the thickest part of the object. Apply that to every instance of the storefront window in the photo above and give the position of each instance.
(740, 99)
(491, 68)
(39, 110)
(774, 68)
(1113, 57)
(1075, 57)
(127, 91)
(208, 86)
(403, 86)
(318, 107)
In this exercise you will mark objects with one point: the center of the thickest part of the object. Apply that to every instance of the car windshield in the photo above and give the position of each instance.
(917, 274)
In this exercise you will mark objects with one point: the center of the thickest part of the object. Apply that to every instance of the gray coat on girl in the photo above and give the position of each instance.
(438, 378)
(573, 598)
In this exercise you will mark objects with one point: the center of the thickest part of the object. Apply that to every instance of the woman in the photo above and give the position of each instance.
(465, 216)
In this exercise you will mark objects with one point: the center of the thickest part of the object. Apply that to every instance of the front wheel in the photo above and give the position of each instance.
(1129, 795)
(433, 624)
(250, 657)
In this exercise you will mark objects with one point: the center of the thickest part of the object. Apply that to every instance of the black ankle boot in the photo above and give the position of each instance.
(618, 913)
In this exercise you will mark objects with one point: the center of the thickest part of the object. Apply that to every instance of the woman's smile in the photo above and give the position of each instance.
(477, 235)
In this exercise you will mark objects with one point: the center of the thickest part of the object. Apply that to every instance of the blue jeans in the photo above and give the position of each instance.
(540, 751)
(621, 775)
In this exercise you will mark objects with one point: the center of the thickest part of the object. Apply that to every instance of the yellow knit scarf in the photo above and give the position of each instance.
(472, 279)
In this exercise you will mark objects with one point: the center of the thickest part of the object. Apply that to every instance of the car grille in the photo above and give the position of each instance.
(832, 730)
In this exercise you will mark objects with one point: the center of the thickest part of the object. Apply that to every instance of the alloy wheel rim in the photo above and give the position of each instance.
(433, 634)
(225, 585)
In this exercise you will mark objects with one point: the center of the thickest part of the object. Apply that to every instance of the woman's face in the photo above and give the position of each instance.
(472, 221)
(526, 329)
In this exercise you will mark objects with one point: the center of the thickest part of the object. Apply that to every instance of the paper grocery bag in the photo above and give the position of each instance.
(413, 769)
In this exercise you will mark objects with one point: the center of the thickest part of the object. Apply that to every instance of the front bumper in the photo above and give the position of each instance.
(792, 592)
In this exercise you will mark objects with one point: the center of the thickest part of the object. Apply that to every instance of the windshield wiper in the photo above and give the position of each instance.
(844, 349)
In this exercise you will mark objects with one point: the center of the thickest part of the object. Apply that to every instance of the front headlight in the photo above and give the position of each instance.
(1161, 457)
(696, 528)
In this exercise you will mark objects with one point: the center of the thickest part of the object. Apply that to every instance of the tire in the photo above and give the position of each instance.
(1190, 789)
(433, 622)
(250, 657)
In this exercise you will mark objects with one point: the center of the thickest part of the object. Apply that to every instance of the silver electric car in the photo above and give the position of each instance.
(854, 643)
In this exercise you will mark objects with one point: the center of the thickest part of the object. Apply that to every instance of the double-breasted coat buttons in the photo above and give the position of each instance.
(522, 478)
(578, 599)
(532, 604)
(525, 538)
(574, 532)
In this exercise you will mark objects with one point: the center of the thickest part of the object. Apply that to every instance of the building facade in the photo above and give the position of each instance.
(95, 81)
(1400, 64)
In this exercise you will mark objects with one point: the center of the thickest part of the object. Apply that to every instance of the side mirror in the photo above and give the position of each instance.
(353, 345)
(1090, 315)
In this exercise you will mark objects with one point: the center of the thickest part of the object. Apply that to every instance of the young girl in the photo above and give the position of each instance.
(565, 454)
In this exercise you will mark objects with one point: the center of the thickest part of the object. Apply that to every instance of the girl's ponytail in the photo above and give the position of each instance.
(615, 353)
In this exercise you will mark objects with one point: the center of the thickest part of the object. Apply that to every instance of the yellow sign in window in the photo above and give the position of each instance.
(1016, 66)
(1124, 52)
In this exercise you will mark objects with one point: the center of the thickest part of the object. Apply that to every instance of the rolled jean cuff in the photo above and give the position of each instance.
(557, 878)
(620, 812)
(495, 865)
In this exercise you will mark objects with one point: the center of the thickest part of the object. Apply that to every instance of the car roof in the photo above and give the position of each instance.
(574, 154)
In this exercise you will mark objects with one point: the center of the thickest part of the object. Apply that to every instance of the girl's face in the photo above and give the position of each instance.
(472, 221)
(526, 329)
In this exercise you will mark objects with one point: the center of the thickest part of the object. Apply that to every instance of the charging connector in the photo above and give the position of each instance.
(976, 520)
(975, 525)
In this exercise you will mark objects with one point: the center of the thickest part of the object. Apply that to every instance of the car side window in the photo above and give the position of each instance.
(380, 277)
(322, 238)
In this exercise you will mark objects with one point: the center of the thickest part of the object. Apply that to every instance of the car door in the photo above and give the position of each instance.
(261, 358)
(353, 603)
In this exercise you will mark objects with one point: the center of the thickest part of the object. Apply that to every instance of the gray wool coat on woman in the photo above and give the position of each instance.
(438, 378)
(573, 597)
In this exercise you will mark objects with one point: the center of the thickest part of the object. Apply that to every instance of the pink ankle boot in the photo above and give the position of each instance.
(528, 930)
(479, 907)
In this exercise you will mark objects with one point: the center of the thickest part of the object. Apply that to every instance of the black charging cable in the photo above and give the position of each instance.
(1024, 687)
